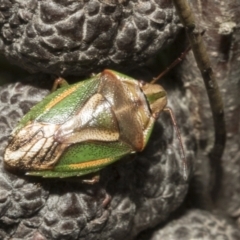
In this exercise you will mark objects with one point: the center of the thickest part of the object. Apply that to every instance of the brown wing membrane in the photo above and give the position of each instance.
(34, 147)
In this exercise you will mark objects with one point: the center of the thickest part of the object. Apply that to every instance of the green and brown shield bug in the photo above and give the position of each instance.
(81, 128)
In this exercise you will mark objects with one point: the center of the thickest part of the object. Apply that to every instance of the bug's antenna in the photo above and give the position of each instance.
(172, 65)
(182, 152)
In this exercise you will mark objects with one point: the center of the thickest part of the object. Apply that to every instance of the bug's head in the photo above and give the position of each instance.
(156, 97)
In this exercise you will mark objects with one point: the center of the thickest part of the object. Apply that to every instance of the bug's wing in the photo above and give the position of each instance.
(95, 121)
(41, 146)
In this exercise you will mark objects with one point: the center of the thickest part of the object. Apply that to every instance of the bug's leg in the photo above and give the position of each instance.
(106, 200)
(182, 152)
(93, 180)
(59, 82)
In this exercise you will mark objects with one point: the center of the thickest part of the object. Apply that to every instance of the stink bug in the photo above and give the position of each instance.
(81, 128)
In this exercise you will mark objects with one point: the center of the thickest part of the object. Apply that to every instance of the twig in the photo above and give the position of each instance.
(204, 65)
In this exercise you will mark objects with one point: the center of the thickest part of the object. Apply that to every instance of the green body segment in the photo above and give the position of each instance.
(81, 159)
(58, 106)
